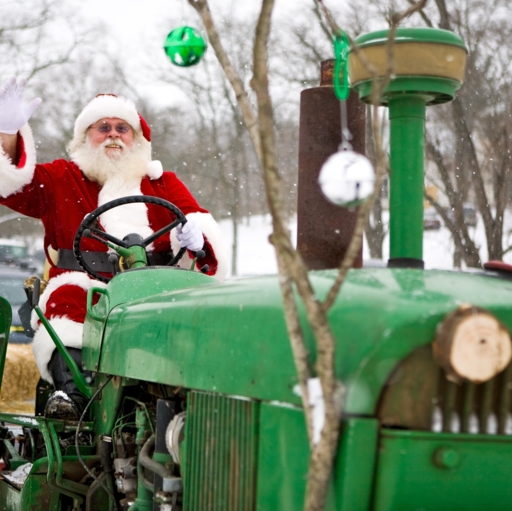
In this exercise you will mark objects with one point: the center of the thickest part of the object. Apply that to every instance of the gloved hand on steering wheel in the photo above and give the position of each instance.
(14, 114)
(190, 236)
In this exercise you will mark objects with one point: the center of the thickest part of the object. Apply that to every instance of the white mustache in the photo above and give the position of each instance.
(110, 142)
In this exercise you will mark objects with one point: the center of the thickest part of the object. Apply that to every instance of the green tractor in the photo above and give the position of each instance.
(193, 401)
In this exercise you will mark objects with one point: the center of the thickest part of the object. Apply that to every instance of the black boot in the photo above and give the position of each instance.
(67, 402)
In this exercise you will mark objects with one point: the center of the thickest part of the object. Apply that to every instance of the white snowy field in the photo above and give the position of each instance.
(256, 254)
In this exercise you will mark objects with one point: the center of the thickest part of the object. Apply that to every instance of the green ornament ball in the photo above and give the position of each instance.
(185, 46)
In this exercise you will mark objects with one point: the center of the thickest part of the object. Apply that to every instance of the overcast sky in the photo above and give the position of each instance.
(134, 20)
(139, 17)
(138, 28)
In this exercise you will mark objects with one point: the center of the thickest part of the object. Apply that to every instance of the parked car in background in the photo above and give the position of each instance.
(15, 253)
(36, 262)
(12, 250)
(11, 287)
(470, 214)
(431, 220)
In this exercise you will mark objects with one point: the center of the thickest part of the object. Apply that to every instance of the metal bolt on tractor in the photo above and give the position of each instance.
(192, 404)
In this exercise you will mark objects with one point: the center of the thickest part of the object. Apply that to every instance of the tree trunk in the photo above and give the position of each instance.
(457, 257)
(374, 231)
(234, 250)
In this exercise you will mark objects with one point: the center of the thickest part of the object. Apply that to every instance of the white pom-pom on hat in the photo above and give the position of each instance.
(155, 169)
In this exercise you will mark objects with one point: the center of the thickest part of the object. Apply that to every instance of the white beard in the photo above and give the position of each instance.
(129, 164)
(119, 175)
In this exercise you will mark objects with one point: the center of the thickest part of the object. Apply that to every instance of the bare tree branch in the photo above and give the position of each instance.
(318, 16)
(322, 455)
(423, 14)
(444, 21)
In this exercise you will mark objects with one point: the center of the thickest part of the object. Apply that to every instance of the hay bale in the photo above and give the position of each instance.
(18, 407)
(18, 391)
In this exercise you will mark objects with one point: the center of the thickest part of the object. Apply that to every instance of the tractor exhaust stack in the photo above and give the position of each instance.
(324, 230)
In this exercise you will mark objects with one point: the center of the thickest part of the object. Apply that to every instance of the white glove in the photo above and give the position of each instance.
(13, 113)
(190, 236)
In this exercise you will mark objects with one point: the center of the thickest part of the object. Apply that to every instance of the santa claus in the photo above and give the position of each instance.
(110, 157)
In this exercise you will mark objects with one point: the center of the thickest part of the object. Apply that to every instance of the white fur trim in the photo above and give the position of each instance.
(69, 332)
(107, 106)
(73, 278)
(211, 231)
(13, 179)
(155, 169)
(125, 219)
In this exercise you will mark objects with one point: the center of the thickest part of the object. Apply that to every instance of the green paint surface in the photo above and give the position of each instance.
(284, 456)
(407, 120)
(5, 327)
(416, 34)
(231, 337)
(411, 475)
(282, 459)
(355, 463)
(229, 341)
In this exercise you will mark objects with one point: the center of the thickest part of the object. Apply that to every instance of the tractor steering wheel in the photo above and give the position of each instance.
(90, 228)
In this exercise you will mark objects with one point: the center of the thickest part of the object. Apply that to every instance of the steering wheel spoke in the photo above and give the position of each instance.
(162, 231)
(177, 257)
(101, 235)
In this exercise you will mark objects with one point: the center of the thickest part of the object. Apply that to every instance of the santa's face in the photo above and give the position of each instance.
(111, 150)
(112, 135)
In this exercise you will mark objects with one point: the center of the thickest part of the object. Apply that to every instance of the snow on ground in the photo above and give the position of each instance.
(256, 254)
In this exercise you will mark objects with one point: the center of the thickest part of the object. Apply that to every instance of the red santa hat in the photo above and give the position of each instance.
(110, 105)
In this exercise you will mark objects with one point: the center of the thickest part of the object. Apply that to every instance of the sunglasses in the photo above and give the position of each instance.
(122, 129)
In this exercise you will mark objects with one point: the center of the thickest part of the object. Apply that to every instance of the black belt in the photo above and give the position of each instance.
(98, 261)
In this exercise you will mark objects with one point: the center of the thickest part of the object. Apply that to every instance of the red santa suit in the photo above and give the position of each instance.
(61, 195)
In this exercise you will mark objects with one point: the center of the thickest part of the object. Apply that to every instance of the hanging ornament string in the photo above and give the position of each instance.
(341, 87)
(184, 20)
(346, 178)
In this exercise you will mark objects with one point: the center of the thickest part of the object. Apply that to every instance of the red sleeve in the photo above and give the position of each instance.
(33, 199)
(176, 192)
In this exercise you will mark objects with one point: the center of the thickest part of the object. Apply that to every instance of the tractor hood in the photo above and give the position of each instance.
(185, 329)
